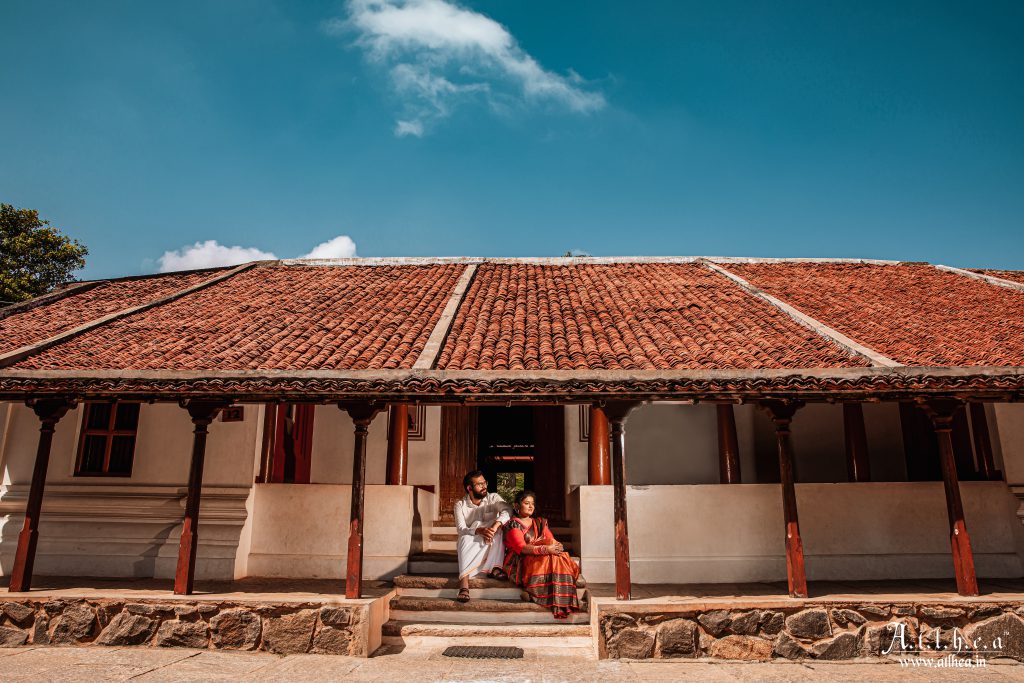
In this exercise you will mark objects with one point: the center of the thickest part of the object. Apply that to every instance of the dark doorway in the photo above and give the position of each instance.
(506, 449)
(524, 447)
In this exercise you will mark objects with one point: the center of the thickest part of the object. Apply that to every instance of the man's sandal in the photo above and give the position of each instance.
(499, 574)
(463, 595)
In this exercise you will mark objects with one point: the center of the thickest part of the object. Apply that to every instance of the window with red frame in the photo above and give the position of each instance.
(106, 447)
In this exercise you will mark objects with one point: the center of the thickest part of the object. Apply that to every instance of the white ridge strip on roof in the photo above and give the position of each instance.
(12, 357)
(821, 328)
(991, 279)
(444, 324)
(560, 260)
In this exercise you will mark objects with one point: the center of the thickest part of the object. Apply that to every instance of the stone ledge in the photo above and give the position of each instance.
(830, 631)
(278, 627)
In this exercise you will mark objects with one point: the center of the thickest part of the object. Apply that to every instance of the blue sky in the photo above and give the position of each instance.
(518, 128)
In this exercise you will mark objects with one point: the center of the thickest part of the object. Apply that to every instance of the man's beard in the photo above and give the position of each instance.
(478, 496)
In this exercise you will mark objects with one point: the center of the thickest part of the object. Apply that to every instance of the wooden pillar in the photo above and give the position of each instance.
(942, 414)
(858, 465)
(202, 414)
(398, 445)
(49, 411)
(782, 414)
(597, 449)
(362, 414)
(983, 442)
(728, 446)
(617, 412)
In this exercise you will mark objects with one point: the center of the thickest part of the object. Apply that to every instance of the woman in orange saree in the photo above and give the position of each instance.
(538, 563)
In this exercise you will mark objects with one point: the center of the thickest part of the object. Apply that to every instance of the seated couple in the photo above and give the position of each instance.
(505, 543)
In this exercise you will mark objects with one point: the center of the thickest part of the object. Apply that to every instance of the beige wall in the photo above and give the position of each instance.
(333, 441)
(302, 530)
(129, 526)
(716, 533)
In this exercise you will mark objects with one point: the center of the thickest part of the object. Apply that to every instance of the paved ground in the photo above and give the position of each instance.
(95, 664)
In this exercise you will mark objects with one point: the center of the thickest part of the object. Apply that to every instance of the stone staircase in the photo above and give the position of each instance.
(424, 611)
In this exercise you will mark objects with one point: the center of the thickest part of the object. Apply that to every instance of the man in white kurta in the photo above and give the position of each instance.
(478, 520)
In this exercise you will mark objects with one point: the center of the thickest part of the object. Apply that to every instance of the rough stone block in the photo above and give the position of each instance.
(19, 613)
(677, 638)
(127, 629)
(331, 641)
(845, 617)
(613, 623)
(54, 607)
(984, 611)
(236, 629)
(335, 616)
(193, 634)
(289, 634)
(40, 630)
(1001, 636)
(891, 638)
(74, 624)
(186, 612)
(631, 643)
(810, 624)
(941, 614)
(107, 611)
(745, 623)
(876, 611)
(786, 646)
(741, 647)
(12, 637)
(715, 622)
(772, 623)
(843, 646)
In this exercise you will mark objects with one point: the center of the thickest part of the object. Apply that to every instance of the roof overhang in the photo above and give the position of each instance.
(561, 386)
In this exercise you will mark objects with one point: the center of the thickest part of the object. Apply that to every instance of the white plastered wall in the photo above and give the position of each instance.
(333, 443)
(128, 526)
(721, 533)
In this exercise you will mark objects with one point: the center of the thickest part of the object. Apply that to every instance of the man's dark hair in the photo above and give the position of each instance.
(470, 476)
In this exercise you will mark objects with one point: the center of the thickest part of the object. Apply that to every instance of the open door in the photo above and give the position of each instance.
(457, 456)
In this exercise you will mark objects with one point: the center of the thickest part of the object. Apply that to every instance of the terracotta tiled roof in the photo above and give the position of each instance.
(1011, 275)
(626, 316)
(545, 327)
(274, 317)
(914, 314)
(77, 308)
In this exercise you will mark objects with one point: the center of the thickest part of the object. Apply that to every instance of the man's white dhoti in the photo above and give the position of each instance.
(476, 556)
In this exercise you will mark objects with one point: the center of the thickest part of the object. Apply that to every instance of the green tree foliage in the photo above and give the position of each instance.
(34, 256)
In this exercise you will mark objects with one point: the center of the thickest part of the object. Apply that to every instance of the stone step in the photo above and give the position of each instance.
(444, 581)
(447, 586)
(485, 618)
(407, 629)
(433, 567)
(416, 604)
(440, 561)
(435, 556)
(476, 611)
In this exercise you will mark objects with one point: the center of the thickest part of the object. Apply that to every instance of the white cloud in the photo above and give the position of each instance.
(404, 128)
(440, 54)
(341, 246)
(212, 254)
(209, 254)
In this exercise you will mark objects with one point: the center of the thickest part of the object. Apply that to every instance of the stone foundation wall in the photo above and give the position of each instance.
(279, 628)
(833, 631)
